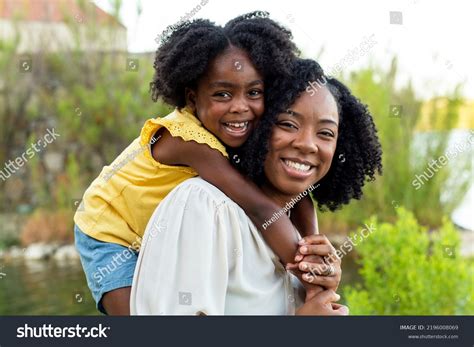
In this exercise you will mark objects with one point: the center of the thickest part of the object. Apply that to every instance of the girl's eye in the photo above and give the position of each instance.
(222, 94)
(255, 93)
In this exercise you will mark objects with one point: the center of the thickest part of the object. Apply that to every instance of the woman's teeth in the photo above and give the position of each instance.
(238, 127)
(297, 166)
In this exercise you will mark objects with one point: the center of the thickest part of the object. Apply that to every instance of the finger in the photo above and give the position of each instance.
(291, 266)
(314, 239)
(322, 250)
(298, 256)
(312, 291)
(341, 309)
(313, 259)
(316, 267)
(327, 296)
(325, 281)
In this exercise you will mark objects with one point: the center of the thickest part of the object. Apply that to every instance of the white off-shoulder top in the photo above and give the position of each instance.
(201, 254)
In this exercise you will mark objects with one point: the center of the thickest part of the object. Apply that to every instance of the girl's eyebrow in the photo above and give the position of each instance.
(226, 84)
(254, 83)
(222, 84)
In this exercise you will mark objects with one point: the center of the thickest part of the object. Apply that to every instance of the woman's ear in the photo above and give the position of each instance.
(190, 96)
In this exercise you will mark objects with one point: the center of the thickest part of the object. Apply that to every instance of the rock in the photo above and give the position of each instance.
(66, 252)
(14, 252)
(39, 251)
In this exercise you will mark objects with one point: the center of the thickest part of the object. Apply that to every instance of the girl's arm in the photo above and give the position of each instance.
(304, 217)
(213, 167)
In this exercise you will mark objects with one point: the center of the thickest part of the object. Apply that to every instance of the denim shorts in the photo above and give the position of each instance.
(107, 266)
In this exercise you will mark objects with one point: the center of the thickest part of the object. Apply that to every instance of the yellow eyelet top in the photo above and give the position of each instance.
(120, 201)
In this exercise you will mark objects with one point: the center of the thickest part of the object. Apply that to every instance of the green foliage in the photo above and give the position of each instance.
(8, 241)
(95, 103)
(406, 153)
(408, 271)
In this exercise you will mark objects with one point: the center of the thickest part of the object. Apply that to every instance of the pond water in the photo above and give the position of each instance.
(54, 288)
(44, 288)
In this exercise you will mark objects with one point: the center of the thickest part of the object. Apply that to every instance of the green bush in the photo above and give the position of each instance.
(407, 270)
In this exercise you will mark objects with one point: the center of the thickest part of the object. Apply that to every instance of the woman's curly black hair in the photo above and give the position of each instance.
(358, 155)
(185, 52)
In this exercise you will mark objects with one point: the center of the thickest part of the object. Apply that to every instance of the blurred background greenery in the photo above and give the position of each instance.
(98, 99)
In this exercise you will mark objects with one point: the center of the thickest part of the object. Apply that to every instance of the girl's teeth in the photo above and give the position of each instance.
(297, 166)
(237, 125)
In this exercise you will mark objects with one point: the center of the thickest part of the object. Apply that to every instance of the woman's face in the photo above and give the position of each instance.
(302, 144)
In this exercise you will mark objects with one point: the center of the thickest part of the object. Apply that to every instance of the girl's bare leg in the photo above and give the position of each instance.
(117, 302)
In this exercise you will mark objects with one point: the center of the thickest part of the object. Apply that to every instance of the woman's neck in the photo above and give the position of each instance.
(278, 197)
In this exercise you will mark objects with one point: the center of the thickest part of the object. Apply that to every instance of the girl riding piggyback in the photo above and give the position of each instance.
(215, 79)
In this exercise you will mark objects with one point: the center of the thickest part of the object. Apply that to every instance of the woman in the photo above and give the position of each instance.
(226, 268)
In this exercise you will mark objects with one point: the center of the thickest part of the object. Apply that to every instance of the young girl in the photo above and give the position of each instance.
(215, 77)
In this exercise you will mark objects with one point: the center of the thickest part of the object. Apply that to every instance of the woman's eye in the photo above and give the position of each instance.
(288, 125)
(327, 133)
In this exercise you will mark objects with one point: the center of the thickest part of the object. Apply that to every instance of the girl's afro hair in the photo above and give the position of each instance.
(185, 52)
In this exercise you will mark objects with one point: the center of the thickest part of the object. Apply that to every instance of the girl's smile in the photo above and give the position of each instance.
(228, 99)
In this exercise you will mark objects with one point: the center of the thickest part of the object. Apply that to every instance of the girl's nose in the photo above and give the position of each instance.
(239, 105)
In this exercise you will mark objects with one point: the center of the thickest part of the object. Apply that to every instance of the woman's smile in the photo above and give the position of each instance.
(302, 144)
(296, 168)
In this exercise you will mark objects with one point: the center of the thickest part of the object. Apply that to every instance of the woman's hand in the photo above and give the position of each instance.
(323, 304)
(317, 258)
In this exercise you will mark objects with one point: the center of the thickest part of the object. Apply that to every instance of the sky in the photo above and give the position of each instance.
(430, 38)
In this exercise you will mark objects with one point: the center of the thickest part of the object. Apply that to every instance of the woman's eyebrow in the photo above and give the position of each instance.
(328, 120)
(293, 113)
(322, 120)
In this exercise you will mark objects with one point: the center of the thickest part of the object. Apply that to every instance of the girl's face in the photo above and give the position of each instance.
(229, 99)
(302, 145)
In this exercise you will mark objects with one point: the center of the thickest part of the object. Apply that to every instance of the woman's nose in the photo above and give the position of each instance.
(306, 141)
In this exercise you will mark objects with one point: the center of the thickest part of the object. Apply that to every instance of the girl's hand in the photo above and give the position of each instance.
(323, 304)
(317, 258)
